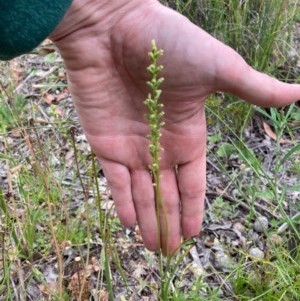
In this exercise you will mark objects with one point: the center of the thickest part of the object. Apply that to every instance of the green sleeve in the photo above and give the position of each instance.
(26, 23)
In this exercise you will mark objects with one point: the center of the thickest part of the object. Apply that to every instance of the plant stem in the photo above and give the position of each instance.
(155, 125)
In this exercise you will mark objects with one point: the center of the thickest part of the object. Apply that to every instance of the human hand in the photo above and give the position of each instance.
(104, 45)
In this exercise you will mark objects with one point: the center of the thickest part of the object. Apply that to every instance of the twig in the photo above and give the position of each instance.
(17, 297)
(243, 205)
(21, 280)
(20, 86)
(285, 225)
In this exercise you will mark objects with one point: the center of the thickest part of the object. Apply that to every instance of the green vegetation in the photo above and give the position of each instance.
(261, 31)
(59, 235)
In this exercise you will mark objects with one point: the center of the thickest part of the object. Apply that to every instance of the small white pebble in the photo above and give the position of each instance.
(223, 261)
(274, 241)
(261, 224)
(239, 227)
(256, 253)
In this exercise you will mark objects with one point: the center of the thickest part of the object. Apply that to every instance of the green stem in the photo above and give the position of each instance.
(105, 233)
(155, 125)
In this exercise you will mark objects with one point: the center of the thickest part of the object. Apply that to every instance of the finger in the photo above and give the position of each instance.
(237, 77)
(119, 182)
(192, 182)
(144, 202)
(169, 212)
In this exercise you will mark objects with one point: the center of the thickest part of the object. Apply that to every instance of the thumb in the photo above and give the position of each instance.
(255, 87)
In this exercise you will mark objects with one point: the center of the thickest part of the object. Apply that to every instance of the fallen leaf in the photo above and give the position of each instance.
(59, 112)
(95, 264)
(41, 121)
(47, 42)
(16, 168)
(49, 289)
(55, 98)
(79, 286)
(16, 71)
(103, 295)
(139, 270)
(50, 99)
(43, 51)
(272, 135)
(16, 133)
(65, 245)
(61, 96)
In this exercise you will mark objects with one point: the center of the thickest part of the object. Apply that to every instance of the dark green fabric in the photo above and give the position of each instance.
(26, 23)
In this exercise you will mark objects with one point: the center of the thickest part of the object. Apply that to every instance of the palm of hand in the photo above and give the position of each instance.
(107, 78)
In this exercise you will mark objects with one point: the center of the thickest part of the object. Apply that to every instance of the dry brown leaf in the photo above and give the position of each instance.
(139, 270)
(95, 264)
(16, 168)
(59, 112)
(50, 99)
(103, 296)
(62, 75)
(272, 135)
(16, 71)
(40, 121)
(46, 42)
(53, 98)
(61, 96)
(79, 286)
(16, 133)
(137, 230)
(48, 289)
(65, 245)
(89, 270)
(45, 48)
(43, 51)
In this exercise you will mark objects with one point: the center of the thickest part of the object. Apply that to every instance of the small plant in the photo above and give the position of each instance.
(222, 209)
(168, 266)
(8, 113)
(155, 125)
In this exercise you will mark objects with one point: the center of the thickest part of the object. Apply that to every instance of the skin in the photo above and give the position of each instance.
(104, 44)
